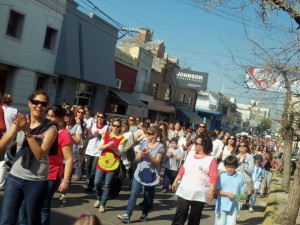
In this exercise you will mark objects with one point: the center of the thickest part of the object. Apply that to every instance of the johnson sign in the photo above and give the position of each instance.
(191, 79)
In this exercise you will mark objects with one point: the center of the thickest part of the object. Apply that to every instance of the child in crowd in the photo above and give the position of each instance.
(258, 175)
(230, 189)
(172, 162)
(88, 220)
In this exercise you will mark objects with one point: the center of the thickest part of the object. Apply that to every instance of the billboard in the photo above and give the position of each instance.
(191, 79)
(267, 80)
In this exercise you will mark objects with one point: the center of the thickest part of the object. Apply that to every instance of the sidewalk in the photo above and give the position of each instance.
(276, 201)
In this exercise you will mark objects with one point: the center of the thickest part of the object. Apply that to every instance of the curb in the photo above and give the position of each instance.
(270, 214)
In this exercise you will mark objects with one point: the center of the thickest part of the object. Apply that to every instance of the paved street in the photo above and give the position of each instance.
(162, 214)
(164, 208)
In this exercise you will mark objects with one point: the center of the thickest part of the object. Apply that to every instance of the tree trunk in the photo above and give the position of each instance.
(289, 216)
(287, 155)
(287, 132)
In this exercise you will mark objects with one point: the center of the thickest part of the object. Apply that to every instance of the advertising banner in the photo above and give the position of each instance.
(267, 80)
(191, 79)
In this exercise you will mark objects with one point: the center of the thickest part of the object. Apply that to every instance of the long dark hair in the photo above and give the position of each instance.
(206, 143)
(38, 92)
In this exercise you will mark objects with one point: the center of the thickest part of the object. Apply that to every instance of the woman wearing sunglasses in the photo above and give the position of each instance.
(246, 165)
(198, 179)
(228, 149)
(92, 150)
(146, 173)
(28, 178)
(59, 176)
(111, 145)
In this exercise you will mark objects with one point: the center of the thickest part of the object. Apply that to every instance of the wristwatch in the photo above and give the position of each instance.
(28, 135)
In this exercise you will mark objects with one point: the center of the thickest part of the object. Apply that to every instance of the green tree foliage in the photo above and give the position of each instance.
(265, 124)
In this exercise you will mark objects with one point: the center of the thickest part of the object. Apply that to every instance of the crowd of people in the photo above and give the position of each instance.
(44, 151)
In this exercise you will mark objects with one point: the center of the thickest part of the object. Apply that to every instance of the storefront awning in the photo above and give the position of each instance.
(129, 98)
(192, 116)
(135, 106)
(160, 106)
(208, 111)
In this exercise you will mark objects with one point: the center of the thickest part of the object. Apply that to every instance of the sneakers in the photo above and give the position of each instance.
(102, 209)
(143, 218)
(63, 198)
(163, 191)
(97, 204)
(251, 210)
(124, 218)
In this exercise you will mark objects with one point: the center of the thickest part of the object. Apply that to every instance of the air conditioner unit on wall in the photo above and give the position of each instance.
(119, 83)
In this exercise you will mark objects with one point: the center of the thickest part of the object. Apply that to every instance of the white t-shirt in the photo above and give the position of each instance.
(9, 116)
(216, 146)
(93, 146)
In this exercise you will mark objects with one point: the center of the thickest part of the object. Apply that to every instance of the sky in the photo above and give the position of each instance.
(211, 41)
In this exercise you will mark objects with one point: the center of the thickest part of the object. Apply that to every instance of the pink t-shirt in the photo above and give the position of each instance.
(56, 161)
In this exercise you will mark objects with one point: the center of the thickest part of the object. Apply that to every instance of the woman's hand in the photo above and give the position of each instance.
(111, 144)
(145, 153)
(22, 122)
(174, 186)
(211, 194)
(63, 187)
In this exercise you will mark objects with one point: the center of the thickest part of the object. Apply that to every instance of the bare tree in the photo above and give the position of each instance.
(284, 60)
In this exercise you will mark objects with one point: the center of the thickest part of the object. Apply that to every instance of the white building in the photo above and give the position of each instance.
(29, 35)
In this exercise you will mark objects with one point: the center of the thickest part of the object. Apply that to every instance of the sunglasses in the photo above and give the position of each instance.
(131, 119)
(241, 145)
(81, 112)
(149, 133)
(202, 127)
(231, 138)
(117, 126)
(196, 144)
(100, 117)
(37, 102)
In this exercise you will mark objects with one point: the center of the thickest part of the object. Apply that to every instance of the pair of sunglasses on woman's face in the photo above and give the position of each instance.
(37, 102)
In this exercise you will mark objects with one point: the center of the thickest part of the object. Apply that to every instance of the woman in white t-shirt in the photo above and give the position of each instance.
(198, 178)
(92, 151)
(229, 149)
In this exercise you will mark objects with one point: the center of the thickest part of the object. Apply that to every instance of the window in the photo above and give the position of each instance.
(182, 96)
(15, 24)
(119, 83)
(190, 101)
(168, 94)
(83, 94)
(154, 89)
(40, 83)
(50, 39)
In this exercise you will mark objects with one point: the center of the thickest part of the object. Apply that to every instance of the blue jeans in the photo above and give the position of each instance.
(135, 190)
(45, 213)
(18, 190)
(253, 198)
(268, 178)
(103, 195)
(169, 177)
(225, 218)
(91, 163)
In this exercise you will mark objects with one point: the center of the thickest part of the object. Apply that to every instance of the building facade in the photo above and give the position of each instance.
(51, 45)
(30, 32)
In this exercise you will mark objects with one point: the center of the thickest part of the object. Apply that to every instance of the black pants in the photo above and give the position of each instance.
(183, 209)
(91, 162)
